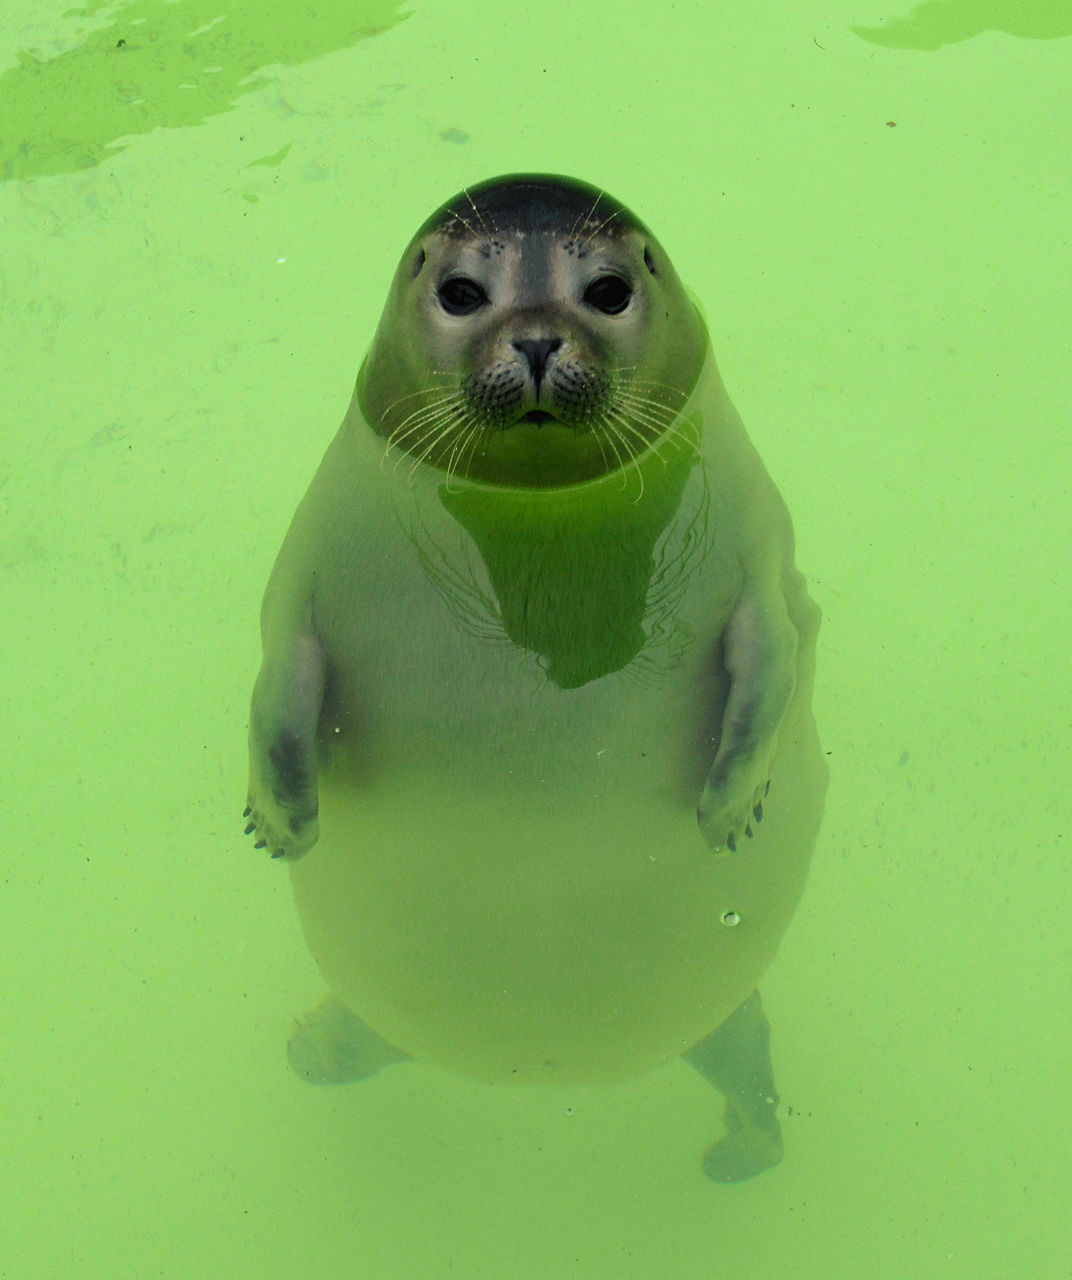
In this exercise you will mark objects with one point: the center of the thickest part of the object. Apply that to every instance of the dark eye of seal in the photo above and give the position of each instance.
(461, 296)
(609, 294)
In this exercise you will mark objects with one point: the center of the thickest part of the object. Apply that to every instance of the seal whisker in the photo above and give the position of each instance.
(643, 387)
(645, 443)
(623, 425)
(643, 396)
(667, 430)
(597, 435)
(635, 459)
(434, 416)
(443, 433)
(457, 454)
(470, 446)
(441, 398)
(613, 435)
(643, 378)
(420, 415)
(423, 391)
(435, 422)
(645, 417)
(635, 455)
(656, 410)
(458, 218)
(670, 426)
(582, 218)
(479, 215)
(606, 221)
(460, 436)
(651, 410)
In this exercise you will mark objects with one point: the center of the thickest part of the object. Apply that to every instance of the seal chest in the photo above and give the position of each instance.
(535, 649)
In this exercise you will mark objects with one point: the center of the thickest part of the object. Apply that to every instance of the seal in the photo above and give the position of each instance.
(535, 650)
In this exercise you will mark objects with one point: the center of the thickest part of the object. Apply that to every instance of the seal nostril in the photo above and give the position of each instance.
(537, 352)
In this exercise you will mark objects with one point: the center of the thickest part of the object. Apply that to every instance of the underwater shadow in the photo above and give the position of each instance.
(937, 23)
(160, 64)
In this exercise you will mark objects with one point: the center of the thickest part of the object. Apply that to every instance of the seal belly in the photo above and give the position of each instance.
(538, 905)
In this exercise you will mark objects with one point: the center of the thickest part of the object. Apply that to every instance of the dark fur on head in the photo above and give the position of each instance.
(532, 204)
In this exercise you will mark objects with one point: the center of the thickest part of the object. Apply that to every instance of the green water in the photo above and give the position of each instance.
(197, 232)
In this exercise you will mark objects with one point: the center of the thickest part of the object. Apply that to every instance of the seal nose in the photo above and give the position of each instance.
(537, 352)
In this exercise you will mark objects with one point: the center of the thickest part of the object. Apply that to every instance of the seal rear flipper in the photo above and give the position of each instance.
(282, 806)
(760, 651)
(331, 1045)
(735, 1058)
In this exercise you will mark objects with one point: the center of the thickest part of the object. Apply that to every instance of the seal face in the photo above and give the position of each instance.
(541, 334)
(535, 648)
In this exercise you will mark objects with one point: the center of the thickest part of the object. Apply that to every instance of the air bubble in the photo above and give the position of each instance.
(731, 918)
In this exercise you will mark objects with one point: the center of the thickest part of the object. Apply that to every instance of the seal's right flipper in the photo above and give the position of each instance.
(282, 806)
(736, 1060)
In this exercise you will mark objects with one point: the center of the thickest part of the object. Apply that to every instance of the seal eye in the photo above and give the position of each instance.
(609, 294)
(460, 296)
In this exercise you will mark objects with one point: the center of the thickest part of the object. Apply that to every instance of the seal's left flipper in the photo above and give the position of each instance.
(760, 655)
(331, 1045)
(736, 1060)
(282, 807)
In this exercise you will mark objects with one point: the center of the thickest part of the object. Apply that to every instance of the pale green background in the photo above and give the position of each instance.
(182, 318)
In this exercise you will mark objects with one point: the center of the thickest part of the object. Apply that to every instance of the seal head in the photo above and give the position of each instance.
(536, 335)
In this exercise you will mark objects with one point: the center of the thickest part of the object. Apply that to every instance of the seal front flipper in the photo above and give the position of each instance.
(760, 655)
(282, 805)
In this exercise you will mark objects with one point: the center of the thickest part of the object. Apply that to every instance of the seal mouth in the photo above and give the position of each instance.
(537, 417)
